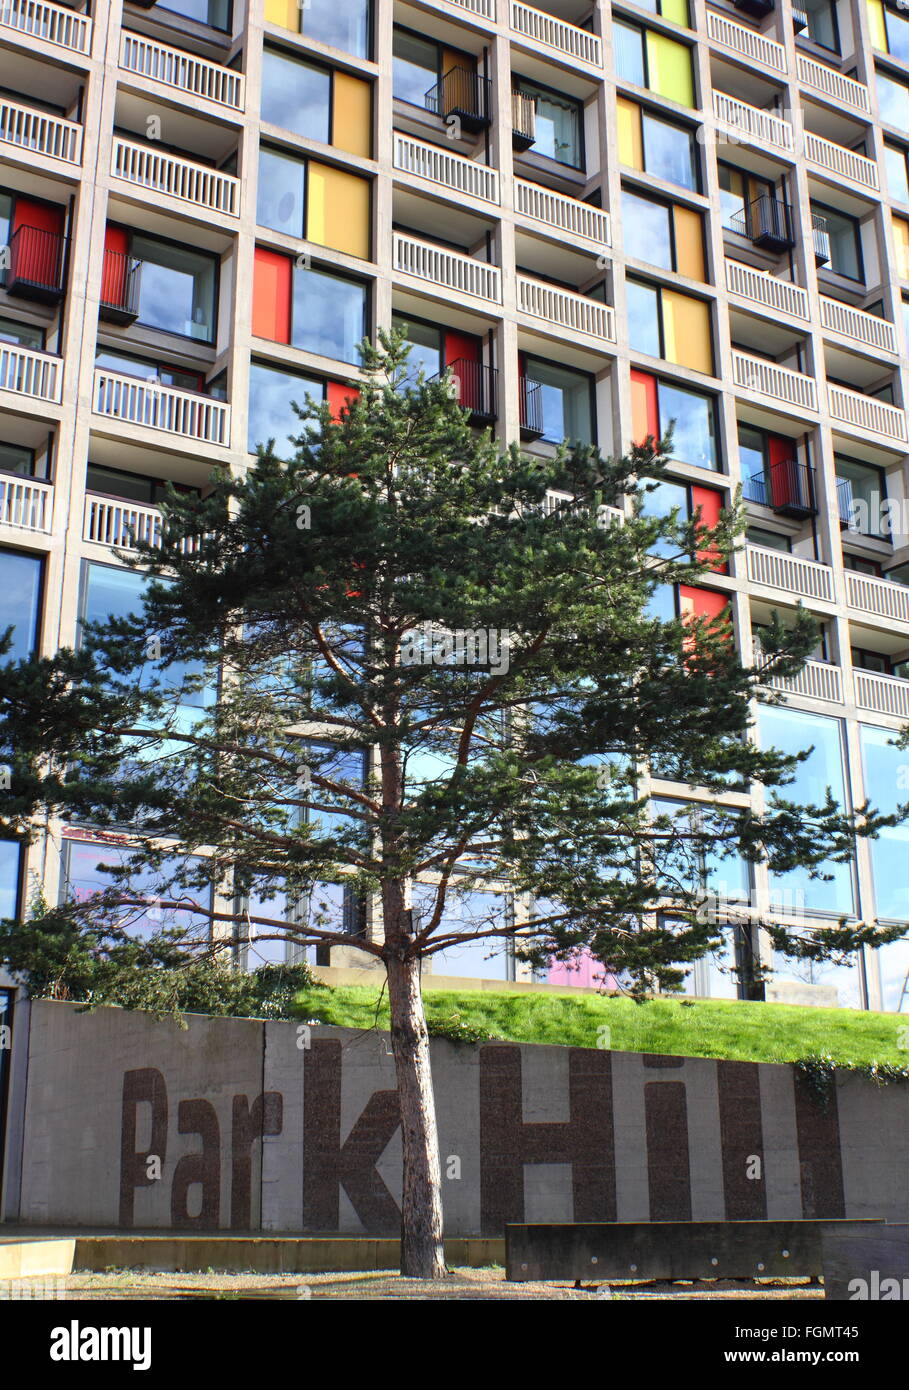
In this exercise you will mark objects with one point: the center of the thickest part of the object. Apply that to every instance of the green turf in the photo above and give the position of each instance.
(712, 1028)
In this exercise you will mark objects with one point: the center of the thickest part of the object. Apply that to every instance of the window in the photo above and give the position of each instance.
(884, 769)
(770, 540)
(663, 234)
(466, 913)
(862, 492)
(897, 178)
(87, 869)
(823, 28)
(741, 208)
(325, 205)
(215, 13)
(845, 242)
(656, 403)
(342, 24)
(313, 309)
(417, 66)
(665, 323)
(20, 602)
(271, 414)
(653, 145)
(666, 496)
(729, 878)
(901, 249)
(426, 348)
(653, 60)
(10, 873)
(889, 30)
(771, 474)
(176, 288)
(21, 334)
(134, 487)
(676, 10)
(566, 399)
(14, 458)
(317, 103)
(558, 126)
(149, 371)
(893, 101)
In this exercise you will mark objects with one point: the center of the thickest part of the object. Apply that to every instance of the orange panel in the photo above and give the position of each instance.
(645, 415)
(271, 296)
(710, 503)
(701, 603)
(338, 393)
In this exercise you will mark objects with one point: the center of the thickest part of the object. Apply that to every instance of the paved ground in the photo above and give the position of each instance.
(383, 1284)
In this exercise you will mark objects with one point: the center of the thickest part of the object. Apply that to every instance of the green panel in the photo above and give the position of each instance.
(669, 69)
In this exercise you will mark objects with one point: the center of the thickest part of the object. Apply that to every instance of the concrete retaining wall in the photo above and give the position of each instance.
(123, 1122)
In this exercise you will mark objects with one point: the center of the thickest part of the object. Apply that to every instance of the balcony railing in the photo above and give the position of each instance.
(867, 414)
(780, 383)
(445, 170)
(53, 23)
(880, 597)
(40, 133)
(120, 283)
(787, 486)
(752, 125)
(137, 401)
(476, 388)
(817, 680)
(757, 48)
(567, 39)
(174, 67)
(531, 408)
(31, 373)
(486, 9)
(576, 313)
(790, 574)
(836, 159)
(523, 120)
(109, 521)
(857, 324)
(453, 270)
(836, 85)
(464, 95)
(820, 237)
(26, 503)
(882, 694)
(161, 173)
(767, 222)
(565, 214)
(37, 264)
(760, 287)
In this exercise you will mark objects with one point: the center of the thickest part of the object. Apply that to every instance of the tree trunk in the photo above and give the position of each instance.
(422, 1248)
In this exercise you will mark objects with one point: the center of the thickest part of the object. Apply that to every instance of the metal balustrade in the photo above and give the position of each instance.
(37, 264)
(531, 408)
(26, 503)
(836, 159)
(464, 94)
(486, 9)
(880, 597)
(789, 574)
(183, 71)
(867, 414)
(766, 222)
(451, 270)
(770, 379)
(836, 85)
(752, 125)
(444, 169)
(475, 387)
(53, 23)
(563, 309)
(109, 521)
(170, 174)
(817, 680)
(882, 694)
(565, 38)
(28, 372)
(565, 214)
(523, 120)
(40, 133)
(760, 287)
(862, 327)
(757, 48)
(137, 401)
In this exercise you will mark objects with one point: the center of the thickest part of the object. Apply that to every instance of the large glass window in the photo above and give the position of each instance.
(643, 303)
(889, 30)
(296, 96)
(647, 229)
(845, 241)
(281, 196)
(893, 100)
(653, 60)
(21, 334)
(567, 402)
(148, 371)
(10, 869)
(416, 67)
(464, 916)
(343, 24)
(20, 602)
(425, 344)
(329, 314)
(16, 459)
(176, 289)
(271, 413)
(87, 871)
(897, 178)
(694, 424)
(822, 26)
(215, 13)
(862, 493)
(558, 124)
(886, 774)
(670, 151)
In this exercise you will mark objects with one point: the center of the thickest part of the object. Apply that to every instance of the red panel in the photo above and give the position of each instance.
(113, 276)
(784, 482)
(710, 503)
(645, 414)
(38, 250)
(338, 393)
(701, 603)
(271, 295)
(44, 215)
(462, 345)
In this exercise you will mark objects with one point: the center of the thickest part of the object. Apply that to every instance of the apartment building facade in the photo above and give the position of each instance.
(598, 218)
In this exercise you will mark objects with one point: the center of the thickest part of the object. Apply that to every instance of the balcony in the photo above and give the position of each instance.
(120, 280)
(761, 288)
(137, 401)
(843, 90)
(858, 325)
(767, 223)
(109, 521)
(37, 265)
(37, 375)
(531, 408)
(38, 133)
(475, 387)
(464, 95)
(820, 238)
(53, 23)
(486, 9)
(570, 215)
(184, 72)
(452, 270)
(867, 415)
(769, 379)
(575, 313)
(523, 121)
(26, 503)
(882, 694)
(789, 574)
(445, 170)
(748, 43)
(817, 680)
(787, 487)
(880, 598)
(845, 164)
(568, 40)
(159, 173)
(750, 125)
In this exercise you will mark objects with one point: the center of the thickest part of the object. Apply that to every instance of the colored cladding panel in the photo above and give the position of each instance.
(631, 146)
(901, 241)
(39, 248)
(686, 331)
(780, 450)
(462, 346)
(338, 394)
(669, 68)
(45, 216)
(272, 277)
(710, 503)
(338, 210)
(877, 23)
(113, 276)
(351, 126)
(677, 11)
(689, 243)
(285, 13)
(645, 415)
(701, 603)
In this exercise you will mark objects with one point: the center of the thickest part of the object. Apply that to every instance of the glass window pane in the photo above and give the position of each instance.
(643, 318)
(897, 181)
(822, 26)
(629, 53)
(22, 334)
(20, 599)
(425, 349)
(893, 100)
(416, 67)
(661, 605)
(10, 865)
(566, 402)
(558, 125)
(87, 871)
(669, 151)
(271, 414)
(213, 12)
(281, 197)
(897, 36)
(15, 459)
(329, 314)
(176, 289)
(343, 24)
(694, 434)
(646, 227)
(843, 231)
(661, 500)
(464, 916)
(296, 96)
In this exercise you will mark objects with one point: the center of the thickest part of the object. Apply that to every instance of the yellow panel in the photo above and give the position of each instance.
(878, 25)
(901, 240)
(689, 243)
(352, 114)
(631, 151)
(669, 68)
(686, 331)
(283, 12)
(676, 10)
(338, 210)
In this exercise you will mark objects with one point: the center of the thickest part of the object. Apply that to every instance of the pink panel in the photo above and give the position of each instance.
(582, 972)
